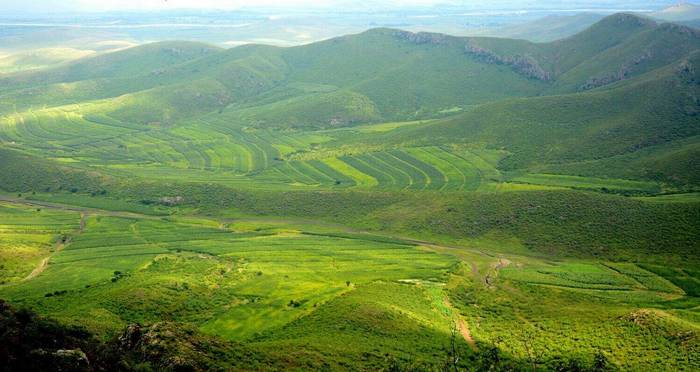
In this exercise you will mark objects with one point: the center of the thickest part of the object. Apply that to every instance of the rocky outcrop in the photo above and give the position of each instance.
(625, 72)
(168, 346)
(421, 37)
(522, 64)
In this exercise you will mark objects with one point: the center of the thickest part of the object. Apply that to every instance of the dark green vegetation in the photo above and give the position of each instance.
(466, 203)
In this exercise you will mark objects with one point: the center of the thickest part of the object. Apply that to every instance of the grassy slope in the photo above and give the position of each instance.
(101, 76)
(640, 118)
(40, 58)
(618, 47)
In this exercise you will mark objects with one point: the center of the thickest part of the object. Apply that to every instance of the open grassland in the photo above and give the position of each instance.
(231, 282)
(536, 309)
(278, 283)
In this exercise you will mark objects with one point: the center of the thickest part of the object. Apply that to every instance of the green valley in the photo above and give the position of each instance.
(386, 200)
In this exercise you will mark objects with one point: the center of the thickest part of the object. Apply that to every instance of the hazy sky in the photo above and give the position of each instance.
(107, 5)
(102, 5)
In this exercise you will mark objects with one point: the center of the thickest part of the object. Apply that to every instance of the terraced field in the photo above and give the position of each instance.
(231, 151)
(420, 168)
(209, 150)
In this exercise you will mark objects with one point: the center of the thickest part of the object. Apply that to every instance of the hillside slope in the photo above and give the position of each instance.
(246, 108)
(646, 113)
(398, 74)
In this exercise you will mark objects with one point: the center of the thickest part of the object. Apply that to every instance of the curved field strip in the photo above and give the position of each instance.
(472, 174)
(422, 180)
(269, 151)
(52, 129)
(5, 137)
(436, 179)
(310, 170)
(453, 176)
(81, 129)
(304, 172)
(225, 159)
(31, 134)
(239, 155)
(403, 177)
(384, 179)
(107, 120)
(188, 149)
(205, 160)
(273, 268)
(146, 146)
(360, 178)
(418, 180)
(259, 159)
(161, 149)
(280, 139)
(337, 177)
(486, 169)
(386, 164)
(289, 174)
(214, 158)
(83, 132)
(256, 158)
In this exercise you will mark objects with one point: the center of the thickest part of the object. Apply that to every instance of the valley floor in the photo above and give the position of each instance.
(287, 286)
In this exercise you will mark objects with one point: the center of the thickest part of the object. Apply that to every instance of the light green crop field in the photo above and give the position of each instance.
(246, 280)
(29, 235)
(587, 182)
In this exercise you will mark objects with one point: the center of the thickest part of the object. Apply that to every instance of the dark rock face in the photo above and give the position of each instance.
(522, 64)
(71, 360)
(31, 343)
(166, 346)
(421, 37)
(625, 72)
(131, 337)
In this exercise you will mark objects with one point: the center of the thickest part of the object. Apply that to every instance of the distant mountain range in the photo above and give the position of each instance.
(682, 12)
(577, 90)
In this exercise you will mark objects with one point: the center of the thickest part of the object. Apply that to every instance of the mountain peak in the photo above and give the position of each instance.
(628, 20)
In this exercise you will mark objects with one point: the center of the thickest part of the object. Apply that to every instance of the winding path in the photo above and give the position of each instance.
(57, 248)
(462, 324)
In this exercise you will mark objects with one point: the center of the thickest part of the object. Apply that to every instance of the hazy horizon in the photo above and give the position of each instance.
(8, 7)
